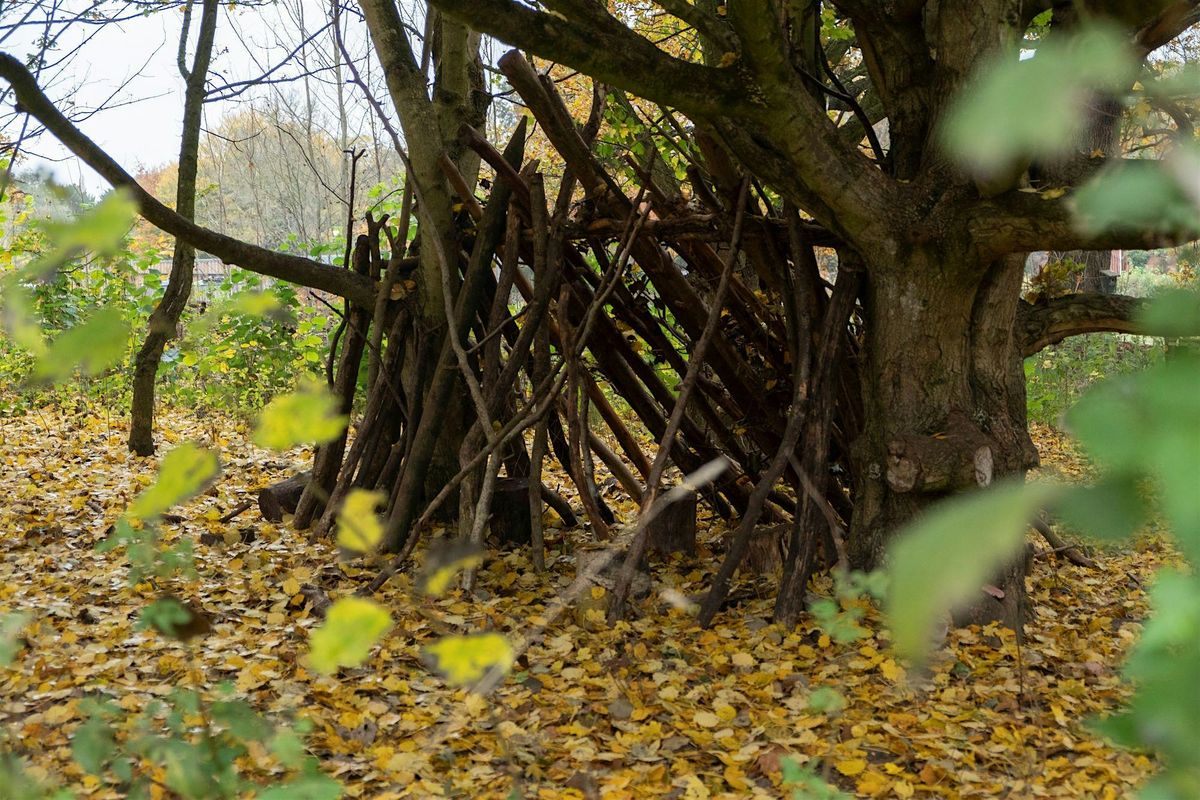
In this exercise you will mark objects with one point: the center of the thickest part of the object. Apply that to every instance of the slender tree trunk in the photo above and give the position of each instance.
(165, 317)
(431, 126)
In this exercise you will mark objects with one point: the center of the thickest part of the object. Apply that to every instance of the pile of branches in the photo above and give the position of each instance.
(615, 290)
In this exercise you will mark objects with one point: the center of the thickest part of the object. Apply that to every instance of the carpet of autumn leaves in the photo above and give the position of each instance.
(654, 708)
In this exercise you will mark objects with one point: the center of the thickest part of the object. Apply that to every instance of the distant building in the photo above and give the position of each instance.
(207, 274)
(1118, 264)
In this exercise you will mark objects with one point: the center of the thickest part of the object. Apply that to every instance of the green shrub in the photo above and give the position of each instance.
(1058, 376)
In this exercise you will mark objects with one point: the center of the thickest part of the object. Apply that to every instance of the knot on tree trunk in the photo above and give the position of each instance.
(959, 457)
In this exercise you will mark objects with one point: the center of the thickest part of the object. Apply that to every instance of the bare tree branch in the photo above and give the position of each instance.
(1042, 324)
(1170, 22)
(582, 35)
(294, 269)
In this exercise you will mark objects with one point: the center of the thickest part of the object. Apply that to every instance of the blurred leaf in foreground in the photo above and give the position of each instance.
(940, 561)
(184, 472)
(307, 416)
(351, 628)
(463, 660)
(358, 527)
(1035, 107)
(92, 346)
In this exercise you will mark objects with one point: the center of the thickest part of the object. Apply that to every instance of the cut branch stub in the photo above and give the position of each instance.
(958, 458)
(510, 522)
(282, 498)
(674, 530)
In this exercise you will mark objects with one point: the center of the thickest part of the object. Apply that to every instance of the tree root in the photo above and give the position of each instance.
(1062, 548)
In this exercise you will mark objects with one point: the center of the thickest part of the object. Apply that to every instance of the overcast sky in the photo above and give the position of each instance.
(136, 60)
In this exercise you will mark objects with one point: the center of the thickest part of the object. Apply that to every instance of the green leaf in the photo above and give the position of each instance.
(1149, 424)
(190, 770)
(312, 786)
(93, 745)
(1109, 424)
(1174, 312)
(358, 528)
(246, 304)
(941, 560)
(444, 559)
(308, 416)
(184, 472)
(10, 635)
(463, 660)
(1164, 664)
(253, 304)
(242, 720)
(16, 781)
(351, 628)
(1176, 599)
(100, 231)
(1042, 20)
(165, 616)
(1137, 196)
(826, 700)
(93, 346)
(805, 784)
(1020, 108)
(1112, 509)
(288, 747)
(18, 318)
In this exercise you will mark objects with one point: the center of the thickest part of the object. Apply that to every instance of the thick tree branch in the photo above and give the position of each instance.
(1132, 13)
(582, 35)
(1171, 21)
(294, 269)
(1021, 222)
(755, 107)
(1042, 324)
(862, 11)
(707, 25)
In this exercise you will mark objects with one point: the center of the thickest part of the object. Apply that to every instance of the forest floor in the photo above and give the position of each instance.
(654, 708)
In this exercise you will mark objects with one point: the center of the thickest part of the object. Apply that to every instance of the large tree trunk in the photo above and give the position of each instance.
(945, 402)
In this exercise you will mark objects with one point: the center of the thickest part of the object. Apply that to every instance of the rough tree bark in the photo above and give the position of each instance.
(1100, 138)
(431, 124)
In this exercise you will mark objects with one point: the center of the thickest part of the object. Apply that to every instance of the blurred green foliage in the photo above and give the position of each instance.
(1140, 424)
(228, 356)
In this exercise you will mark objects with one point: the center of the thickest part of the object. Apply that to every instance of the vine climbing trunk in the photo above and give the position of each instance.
(165, 317)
